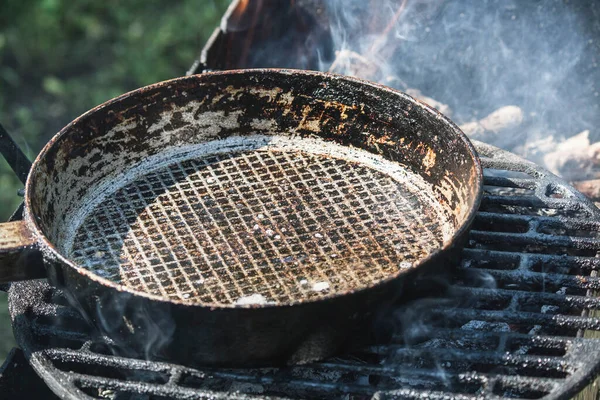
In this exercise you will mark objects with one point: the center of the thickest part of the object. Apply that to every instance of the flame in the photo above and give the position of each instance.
(241, 15)
(240, 8)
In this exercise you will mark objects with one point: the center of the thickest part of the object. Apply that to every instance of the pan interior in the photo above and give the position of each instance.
(258, 220)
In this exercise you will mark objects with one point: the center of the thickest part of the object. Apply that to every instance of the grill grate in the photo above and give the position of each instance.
(257, 226)
(517, 320)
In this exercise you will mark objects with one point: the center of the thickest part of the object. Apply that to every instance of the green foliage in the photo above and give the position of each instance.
(59, 58)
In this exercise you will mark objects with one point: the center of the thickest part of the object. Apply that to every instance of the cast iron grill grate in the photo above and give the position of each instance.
(517, 320)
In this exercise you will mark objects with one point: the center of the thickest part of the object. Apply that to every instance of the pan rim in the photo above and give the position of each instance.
(48, 248)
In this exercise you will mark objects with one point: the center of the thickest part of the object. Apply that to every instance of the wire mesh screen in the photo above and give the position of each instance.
(259, 226)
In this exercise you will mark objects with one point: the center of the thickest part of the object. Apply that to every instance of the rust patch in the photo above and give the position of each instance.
(429, 159)
(15, 242)
(14, 236)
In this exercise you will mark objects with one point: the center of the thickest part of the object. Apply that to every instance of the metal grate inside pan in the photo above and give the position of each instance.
(257, 226)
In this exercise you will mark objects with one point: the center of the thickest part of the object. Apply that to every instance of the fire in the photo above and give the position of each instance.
(240, 8)
(241, 15)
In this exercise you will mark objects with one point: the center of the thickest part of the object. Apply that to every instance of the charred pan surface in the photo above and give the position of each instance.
(99, 148)
(101, 144)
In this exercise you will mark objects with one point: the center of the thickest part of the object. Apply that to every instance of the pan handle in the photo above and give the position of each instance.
(20, 258)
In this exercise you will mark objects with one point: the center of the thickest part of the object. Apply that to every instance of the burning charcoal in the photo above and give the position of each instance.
(503, 118)
(591, 188)
(575, 158)
(489, 128)
(536, 149)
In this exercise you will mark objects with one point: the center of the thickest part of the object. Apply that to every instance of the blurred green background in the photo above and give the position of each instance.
(59, 58)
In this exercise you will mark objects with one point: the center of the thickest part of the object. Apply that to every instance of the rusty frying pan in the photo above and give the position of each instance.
(246, 217)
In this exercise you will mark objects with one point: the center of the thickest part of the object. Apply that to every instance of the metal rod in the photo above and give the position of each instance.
(14, 156)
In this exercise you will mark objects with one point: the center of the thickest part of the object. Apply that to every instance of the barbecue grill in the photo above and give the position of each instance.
(513, 322)
(516, 320)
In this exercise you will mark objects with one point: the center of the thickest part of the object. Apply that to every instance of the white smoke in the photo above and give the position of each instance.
(531, 65)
